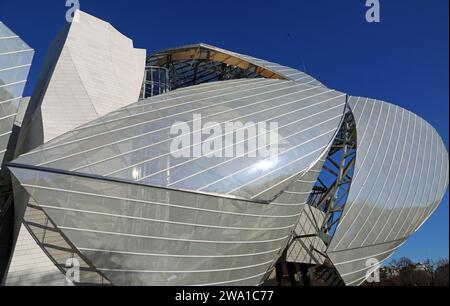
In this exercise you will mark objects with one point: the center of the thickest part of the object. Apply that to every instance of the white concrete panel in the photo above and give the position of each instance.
(98, 71)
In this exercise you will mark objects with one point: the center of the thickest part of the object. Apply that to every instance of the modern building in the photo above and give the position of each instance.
(84, 76)
(15, 62)
(96, 178)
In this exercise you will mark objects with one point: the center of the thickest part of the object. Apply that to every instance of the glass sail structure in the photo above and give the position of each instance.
(154, 172)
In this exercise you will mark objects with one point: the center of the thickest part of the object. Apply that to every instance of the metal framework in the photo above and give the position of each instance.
(198, 71)
(194, 66)
(333, 186)
(59, 248)
(329, 195)
(156, 82)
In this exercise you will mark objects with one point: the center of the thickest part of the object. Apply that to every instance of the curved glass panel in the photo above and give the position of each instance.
(136, 142)
(158, 237)
(15, 61)
(401, 175)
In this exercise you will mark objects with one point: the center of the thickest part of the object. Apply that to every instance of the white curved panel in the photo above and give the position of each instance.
(401, 175)
(139, 235)
(134, 143)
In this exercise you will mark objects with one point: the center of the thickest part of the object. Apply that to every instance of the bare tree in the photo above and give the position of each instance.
(441, 274)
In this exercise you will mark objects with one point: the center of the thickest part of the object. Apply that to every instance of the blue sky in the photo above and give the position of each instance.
(404, 59)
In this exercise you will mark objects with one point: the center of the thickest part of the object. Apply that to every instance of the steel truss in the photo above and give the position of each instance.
(203, 68)
(333, 186)
(329, 195)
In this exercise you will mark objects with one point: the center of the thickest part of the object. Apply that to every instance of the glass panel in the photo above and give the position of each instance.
(5, 31)
(13, 75)
(12, 44)
(16, 59)
(9, 92)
